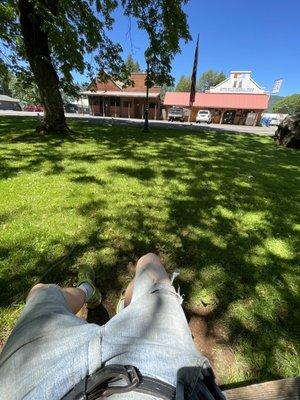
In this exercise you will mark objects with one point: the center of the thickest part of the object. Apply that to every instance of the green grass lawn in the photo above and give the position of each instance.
(224, 208)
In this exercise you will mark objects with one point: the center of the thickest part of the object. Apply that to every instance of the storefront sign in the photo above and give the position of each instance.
(277, 86)
(236, 90)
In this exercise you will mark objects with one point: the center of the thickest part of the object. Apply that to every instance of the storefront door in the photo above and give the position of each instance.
(106, 107)
(228, 117)
(250, 120)
(138, 108)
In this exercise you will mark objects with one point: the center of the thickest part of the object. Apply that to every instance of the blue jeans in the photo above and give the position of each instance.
(50, 349)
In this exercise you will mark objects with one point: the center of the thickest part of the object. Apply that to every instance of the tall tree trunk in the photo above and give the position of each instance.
(39, 57)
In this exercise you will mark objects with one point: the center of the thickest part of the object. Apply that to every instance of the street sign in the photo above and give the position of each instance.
(277, 86)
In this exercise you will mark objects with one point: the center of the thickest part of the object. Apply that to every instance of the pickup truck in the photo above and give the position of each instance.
(177, 114)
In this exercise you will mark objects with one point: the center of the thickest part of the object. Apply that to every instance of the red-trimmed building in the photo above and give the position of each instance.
(238, 100)
(113, 99)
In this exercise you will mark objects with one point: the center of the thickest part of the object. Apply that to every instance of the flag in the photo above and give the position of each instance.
(277, 86)
(194, 75)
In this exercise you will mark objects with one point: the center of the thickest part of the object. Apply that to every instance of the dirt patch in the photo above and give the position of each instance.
(211, 339)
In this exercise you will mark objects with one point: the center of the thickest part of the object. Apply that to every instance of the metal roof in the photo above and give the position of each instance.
(219, 100)
(120, 94)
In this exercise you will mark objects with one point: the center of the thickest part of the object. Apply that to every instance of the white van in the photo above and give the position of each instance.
(203, 116)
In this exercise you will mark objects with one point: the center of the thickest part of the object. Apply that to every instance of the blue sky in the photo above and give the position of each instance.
(262, 36)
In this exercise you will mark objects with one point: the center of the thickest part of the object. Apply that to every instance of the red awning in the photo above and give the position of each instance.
(219, 100)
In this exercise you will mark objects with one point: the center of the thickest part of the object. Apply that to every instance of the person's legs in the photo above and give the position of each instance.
(50, 349)
(152, 332)
(128, 293)
(74, 297)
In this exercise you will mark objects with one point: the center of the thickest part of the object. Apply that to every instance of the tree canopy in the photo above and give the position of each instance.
(165, 23)
(164, 89)
(272, 101)
(288, 105)
(5, 77)
(132, 65)
(48, 40)
(184, 84)
(26, 92)
(207, 79)
(210, 78)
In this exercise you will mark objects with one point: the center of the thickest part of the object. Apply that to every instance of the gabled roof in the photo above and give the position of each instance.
(218, 100)
(112, 85)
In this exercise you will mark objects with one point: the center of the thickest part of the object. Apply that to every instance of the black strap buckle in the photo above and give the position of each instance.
(104, 382)
(99, 383)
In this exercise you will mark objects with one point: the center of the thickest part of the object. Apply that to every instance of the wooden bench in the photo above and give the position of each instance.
(283, 389)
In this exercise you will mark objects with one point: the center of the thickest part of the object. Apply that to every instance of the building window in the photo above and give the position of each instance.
(152, 105)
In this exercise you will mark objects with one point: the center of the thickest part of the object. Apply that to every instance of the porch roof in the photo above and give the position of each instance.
(219, 100)
(120, 94)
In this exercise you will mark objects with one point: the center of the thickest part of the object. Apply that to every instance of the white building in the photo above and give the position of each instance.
(238, 100)
(238, 82)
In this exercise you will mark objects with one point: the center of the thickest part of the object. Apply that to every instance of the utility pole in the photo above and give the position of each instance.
(146, 122)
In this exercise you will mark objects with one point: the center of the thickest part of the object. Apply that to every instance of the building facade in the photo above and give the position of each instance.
(113, 99)
(238, 100)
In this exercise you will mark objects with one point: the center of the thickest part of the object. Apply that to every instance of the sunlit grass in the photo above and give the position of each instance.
(223, 208)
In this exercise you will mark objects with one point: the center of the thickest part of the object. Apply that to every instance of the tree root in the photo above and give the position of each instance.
(44, 129)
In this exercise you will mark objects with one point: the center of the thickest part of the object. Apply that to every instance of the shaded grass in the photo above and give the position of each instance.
(223, 208)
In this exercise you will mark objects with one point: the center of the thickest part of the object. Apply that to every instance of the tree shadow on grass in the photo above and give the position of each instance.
(231, 215)
(138, 173)
(87, 179)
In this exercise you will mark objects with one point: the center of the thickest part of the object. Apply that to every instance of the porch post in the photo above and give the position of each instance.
(91, 104)
(155, 111)
(256, 118)
(222, 115)
(103, 112)
(190, 112)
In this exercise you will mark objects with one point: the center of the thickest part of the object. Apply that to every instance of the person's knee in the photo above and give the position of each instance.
(35, 289)
(149, 258)
(151, 264)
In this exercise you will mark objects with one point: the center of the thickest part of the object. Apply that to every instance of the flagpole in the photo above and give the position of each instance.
(193, 80)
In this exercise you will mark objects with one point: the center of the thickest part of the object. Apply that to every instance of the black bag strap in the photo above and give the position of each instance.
(103, 383)
(198, 383)
(157, 388)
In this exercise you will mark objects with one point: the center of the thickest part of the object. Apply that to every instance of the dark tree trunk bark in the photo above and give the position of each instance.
(39, 57)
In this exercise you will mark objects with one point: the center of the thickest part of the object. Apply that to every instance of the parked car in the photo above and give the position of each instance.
(33, 108)
(177, 114)
(274, 121)
(8, 103)
(203, 116)
(71, 108)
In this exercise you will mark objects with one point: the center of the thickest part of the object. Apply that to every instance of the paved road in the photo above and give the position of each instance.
(254, 130)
